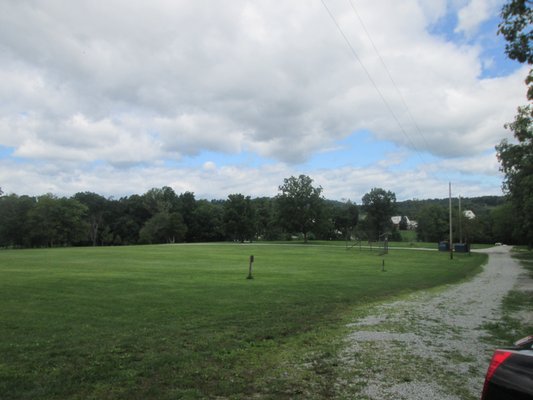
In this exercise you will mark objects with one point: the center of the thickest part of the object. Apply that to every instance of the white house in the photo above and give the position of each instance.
(469, 214)
(398, 218)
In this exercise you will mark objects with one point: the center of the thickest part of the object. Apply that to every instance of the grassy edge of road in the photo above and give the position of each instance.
(517, 307)
(325, 373)
(367, 359)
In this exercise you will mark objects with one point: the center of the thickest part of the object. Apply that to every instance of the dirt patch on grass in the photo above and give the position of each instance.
(431, 344)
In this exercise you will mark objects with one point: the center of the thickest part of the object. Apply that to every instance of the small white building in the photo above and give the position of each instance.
(396, 220)
(469, 214)
(412, 225)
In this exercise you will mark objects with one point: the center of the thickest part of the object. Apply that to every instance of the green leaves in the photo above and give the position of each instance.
(379, 206)
(517, 19)
(239, 217)
(517, 159)
(163, 227)
(300, 204)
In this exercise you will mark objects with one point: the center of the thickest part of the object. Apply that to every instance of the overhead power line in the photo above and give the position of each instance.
(380, 93)
(402, 98)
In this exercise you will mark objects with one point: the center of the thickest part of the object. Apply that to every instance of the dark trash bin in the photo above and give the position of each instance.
(444, 246)
(461, 248)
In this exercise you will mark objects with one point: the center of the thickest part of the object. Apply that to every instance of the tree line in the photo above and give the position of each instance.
(299, 211)
(162, 216)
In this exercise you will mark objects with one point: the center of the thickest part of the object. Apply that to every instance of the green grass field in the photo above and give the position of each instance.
(182, 321)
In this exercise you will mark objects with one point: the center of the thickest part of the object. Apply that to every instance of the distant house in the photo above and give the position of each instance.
(411, 225)
(469, 214)
(396, 220)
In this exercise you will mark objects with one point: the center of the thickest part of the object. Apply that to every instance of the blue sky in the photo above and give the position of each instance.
(118, 97)
(492, 46)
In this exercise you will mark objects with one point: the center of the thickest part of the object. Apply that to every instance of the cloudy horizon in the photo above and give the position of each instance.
(216, 98)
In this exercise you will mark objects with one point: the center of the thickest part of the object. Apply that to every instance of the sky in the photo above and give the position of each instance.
(221, 97)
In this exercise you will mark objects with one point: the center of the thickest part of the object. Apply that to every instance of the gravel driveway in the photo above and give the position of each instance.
(428, 346)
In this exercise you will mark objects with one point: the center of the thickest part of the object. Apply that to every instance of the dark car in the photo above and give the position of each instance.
(510, 373)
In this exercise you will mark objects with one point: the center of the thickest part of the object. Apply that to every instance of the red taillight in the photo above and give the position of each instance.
(497, 359)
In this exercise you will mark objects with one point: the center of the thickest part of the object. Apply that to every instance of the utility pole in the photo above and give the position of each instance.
(450, 206)
(460, 223)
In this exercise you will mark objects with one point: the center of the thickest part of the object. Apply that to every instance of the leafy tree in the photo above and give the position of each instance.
(345, 218)
(473, 230)
(517, 164)
(207, 222)
(517, 19)
(299, 204)
(57, 221)
(432, 223)
(517, 159)
(239, 221)
(160, 200)
(379, 206)
(176, 229)
(125, 230)
(96, 207)
(163, 227)
(503, 223)
(136, 216)
(323, 228)
(187, 206)
(267, 226)
(14, 227)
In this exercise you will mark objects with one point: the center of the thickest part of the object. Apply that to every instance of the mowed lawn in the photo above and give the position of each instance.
(182, 321)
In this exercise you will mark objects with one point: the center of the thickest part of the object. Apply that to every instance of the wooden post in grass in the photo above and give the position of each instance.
(383, 265)
(250, 268)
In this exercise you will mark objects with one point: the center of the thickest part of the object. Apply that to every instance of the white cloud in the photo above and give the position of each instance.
(123, 84)
(429, 180)
(209, 166)
(474, 13)
(483, 165)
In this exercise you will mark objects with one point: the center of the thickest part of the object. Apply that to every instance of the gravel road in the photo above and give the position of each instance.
(429, 345)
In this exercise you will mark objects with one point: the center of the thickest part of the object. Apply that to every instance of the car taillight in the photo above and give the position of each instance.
(497, 359)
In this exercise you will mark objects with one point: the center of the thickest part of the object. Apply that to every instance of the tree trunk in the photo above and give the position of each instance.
(94, 231)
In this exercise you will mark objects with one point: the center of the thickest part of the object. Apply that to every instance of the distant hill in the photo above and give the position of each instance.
(479, 205)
